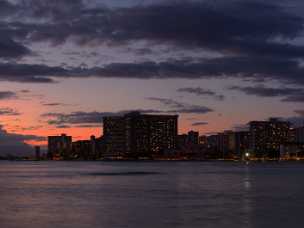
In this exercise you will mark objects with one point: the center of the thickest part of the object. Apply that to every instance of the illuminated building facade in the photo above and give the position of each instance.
(267, 136)
(139, 135)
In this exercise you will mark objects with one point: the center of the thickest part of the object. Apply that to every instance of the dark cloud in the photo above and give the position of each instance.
(55, 10)
(244, 68)
(263, 91)
(12, 49)
(61, 119)
(88, 126)
(255, 38)
(53, 104)
(30, 73)
(13, 144)
(66, 126)
(7, 95)
(288, 94)
(297, 98)
(63, 126)
(66, 120)
(9, 46)
(191, 109)
(296, 121)
(250, 68)
(25, 91)
(80, 118)
(9, 112)
(196, 124)
(87, 119)
(167, 102)
(31, 128)
(201, 92)
(300, 112)
(240, 27)
(179, 107)
(6, 8)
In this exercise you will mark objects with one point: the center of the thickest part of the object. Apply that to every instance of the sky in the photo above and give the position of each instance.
(64, 64)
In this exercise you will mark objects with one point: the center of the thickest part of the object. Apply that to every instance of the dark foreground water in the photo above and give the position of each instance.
(150, 194)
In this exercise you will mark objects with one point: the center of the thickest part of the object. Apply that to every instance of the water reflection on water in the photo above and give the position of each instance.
(150, 194)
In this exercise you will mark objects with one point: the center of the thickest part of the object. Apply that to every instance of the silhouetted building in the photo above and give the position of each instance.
(242, 143)
(292, 135)
(299, 135)
(228, 144)
(212, 141)
(182, 141)
(267, 136)
(81, 149)
(59, 147)
(93, 148)
(203, 140)
(213, 147)
(139, 135)
(100, 147)
(292, 150)
(223, 144)
(87, 149)
(114, 132)
(231, 141)
(193, 137)
(37, 153)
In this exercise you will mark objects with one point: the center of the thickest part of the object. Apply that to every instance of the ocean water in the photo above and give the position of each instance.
(150, 194)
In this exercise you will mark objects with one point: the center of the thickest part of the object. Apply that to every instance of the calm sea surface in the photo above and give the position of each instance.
(150, 194)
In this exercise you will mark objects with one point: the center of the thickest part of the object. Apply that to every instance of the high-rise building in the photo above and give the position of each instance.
(212, 141)
(114, 132)
(203, 140)
(292, 138)
(139, 135)
(182, 141)
(267, 136)
(223, 144)
(37, 153)
(81, 149)
(193, 137)
(59, 146)
(242, 142)
(299, 135)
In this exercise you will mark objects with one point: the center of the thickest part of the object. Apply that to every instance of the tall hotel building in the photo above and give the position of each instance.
(139, 135)
(59, 146)
(267, 136)
(114, 132)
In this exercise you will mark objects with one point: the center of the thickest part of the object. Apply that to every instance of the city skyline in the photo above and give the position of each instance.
(137, 136)
(67, 64)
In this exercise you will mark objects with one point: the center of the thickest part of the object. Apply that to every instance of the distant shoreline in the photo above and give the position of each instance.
(159, 160)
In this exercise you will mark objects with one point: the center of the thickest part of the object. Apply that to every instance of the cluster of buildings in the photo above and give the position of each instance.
(141, 136)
